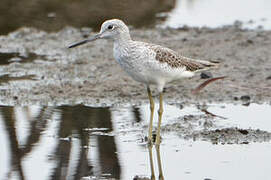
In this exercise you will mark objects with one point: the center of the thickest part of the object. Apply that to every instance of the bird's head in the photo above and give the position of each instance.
(111, 29)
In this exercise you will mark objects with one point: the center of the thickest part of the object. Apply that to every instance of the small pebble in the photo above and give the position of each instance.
(243, 131)
(184, 39)
(206, 75)
(250, 41)
(245, 98)
(268, 78)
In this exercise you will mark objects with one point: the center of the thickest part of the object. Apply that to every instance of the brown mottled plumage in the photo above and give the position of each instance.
(173, 59)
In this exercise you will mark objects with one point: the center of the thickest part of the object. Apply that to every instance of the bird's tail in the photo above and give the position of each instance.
(206, 65)
(210, 64)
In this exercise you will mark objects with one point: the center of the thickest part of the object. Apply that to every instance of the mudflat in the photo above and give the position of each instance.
(38, 68)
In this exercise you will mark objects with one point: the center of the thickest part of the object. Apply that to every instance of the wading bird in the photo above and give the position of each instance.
(149, 64)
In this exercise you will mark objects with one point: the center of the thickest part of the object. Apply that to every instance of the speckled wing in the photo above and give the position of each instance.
(174, 60)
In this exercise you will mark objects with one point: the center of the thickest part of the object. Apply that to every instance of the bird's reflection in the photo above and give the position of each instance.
(137, 115)
(159, 162)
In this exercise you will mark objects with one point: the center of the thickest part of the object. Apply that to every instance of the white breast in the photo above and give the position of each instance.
(131, 61)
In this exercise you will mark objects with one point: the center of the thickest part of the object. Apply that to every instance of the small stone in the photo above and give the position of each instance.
(236, 98)
(245, 142)
(245, 98)
(206, 75)
(184, 39)
(250, 41)
(184, 28)
(243, 131)
(238, 24)
(268, 78)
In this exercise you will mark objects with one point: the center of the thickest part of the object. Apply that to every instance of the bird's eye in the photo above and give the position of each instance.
(110, 27)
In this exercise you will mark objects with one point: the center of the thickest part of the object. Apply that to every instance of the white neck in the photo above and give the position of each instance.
(122, 38)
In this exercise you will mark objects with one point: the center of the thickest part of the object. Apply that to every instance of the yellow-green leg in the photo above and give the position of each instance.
(151, 116)
(160, 113)
(150, 144)
(158, 138)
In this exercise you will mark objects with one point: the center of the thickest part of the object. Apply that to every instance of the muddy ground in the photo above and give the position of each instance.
(89, 74)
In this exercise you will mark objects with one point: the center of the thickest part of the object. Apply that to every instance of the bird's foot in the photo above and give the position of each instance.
(151, 139)
(158, 141)
(150, 143)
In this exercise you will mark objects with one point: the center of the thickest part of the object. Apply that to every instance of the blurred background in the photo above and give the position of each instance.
(52, 15)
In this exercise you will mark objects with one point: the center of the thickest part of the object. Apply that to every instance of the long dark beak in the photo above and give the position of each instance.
(93, 38)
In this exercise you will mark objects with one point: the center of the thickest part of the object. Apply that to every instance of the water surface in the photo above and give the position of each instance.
(216, 13)
(75, 142)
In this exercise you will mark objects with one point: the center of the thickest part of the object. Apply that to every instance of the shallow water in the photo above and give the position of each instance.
(8, 58)
(54, 15)
(217, 13)
(108, 142)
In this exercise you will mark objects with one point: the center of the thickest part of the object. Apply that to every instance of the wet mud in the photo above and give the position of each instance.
(203, 128)
(90, 75)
